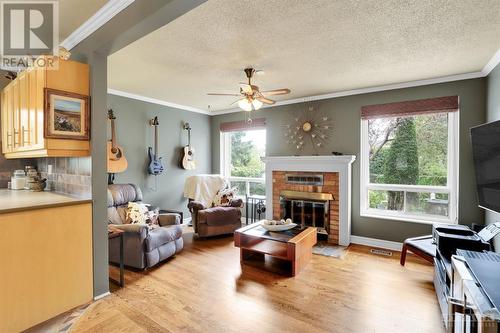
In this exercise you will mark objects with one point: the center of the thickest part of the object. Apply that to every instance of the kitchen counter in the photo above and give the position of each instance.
(23, 200)
(46, 246)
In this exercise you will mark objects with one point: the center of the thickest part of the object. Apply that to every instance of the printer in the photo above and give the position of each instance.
(450, 237)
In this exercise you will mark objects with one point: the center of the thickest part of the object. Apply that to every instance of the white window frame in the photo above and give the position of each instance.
(225, 163)
(451, 188)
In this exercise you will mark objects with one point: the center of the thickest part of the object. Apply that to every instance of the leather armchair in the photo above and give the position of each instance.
(143, 248)
(216, 220)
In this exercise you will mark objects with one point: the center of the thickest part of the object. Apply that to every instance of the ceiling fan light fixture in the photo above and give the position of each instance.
(251, 96)
(245, 104)
(257, 104)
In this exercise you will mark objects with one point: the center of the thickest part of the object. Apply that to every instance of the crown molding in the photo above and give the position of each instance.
(494, 61)
(155, 101)
(344, 93)
(101, 17)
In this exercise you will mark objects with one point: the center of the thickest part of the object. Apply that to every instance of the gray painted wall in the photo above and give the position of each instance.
(345, 112)
(493, 113)
(135, 135)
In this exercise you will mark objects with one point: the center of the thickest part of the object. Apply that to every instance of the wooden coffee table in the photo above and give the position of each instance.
(294, 246)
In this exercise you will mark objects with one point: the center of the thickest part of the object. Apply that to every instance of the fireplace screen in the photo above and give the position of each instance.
(308, 209)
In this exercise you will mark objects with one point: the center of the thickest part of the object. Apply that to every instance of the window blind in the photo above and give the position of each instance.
(411, 108)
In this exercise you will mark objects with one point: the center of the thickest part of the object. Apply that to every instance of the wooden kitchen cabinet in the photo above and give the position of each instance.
(22, 111)
(6, 122)
(15, 114)
(46, 257)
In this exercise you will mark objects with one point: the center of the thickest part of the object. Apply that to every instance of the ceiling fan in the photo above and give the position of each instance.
(251, 98)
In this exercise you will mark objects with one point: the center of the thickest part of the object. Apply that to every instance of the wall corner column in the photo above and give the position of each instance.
(98, 87)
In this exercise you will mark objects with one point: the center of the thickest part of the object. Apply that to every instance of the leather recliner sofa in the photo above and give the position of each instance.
(216, 220)
(143, 248)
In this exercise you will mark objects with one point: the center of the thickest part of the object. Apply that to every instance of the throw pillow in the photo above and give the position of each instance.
(153, 215)
(139, 213)
(223, 197)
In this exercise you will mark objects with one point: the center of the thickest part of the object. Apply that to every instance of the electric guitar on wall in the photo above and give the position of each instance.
(116, 158)
(155, 166)
(188, 161)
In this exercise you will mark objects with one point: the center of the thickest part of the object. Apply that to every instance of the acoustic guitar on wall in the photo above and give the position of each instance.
(116, 157)
(188, 161)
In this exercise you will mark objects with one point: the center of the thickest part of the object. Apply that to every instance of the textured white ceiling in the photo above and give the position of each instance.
(73, 13)
(312, 47)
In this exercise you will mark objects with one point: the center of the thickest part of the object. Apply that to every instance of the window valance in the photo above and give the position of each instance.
(411, 108)
(242, 125)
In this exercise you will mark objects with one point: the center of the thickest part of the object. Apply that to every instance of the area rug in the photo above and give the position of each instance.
(328, 250)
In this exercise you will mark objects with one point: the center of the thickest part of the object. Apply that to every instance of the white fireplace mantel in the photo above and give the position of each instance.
(341, 164)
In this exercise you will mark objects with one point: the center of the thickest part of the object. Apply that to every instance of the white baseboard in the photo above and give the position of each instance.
(373, 242)
(98, 297)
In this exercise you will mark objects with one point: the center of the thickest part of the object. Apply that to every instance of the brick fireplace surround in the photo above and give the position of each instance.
(330, 185)
(336, 171)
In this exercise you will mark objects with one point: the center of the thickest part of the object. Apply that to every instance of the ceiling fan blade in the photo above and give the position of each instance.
(236, 101)
(216, 94)
(283, 91)
(265, 100)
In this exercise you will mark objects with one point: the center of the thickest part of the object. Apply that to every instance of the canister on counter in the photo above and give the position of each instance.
(18, 180)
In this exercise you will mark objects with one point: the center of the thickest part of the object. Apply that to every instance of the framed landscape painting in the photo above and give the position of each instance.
(67, 115)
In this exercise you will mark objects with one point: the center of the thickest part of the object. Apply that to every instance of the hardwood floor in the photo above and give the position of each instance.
(204, 289)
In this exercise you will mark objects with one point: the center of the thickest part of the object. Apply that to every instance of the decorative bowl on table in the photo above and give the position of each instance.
(282, 225)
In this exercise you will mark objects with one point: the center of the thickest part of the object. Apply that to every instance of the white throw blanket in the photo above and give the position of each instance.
(203, 188)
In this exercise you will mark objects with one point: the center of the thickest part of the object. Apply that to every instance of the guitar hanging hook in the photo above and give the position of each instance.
(154, 121)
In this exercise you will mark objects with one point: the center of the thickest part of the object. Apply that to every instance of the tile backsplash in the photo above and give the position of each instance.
(71, 175)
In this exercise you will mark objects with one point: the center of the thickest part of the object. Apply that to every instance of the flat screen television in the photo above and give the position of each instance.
(486, 151)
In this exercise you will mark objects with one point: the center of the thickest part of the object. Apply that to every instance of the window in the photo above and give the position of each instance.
(409, 166)
(242, 154)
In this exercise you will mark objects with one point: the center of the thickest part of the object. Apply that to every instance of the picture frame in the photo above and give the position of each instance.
(66, 115)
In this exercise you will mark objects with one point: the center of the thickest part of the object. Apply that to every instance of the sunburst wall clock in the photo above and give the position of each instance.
(309, 128)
